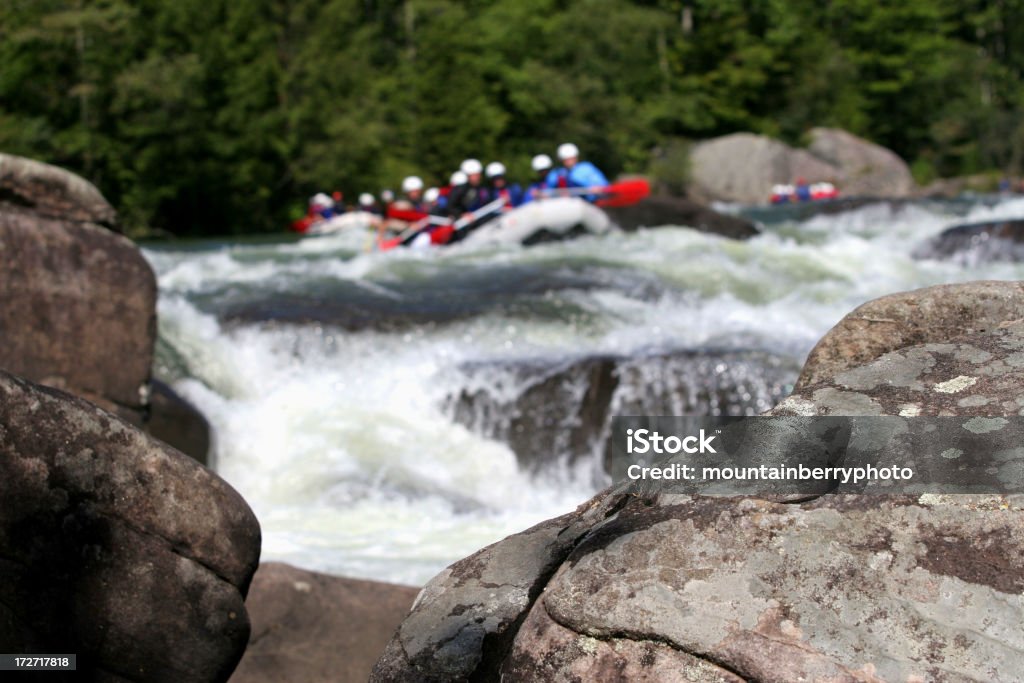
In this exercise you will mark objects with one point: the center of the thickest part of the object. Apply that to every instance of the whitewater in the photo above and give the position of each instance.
(363, 402)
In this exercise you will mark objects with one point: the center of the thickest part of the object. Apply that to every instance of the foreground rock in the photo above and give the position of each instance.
(864, 588)
(660, 211)
(512, 402)
(313, 627)
(51, 192)
(974, 243)
(933, 314)
(78, 301)
(116, 547)
(742, 167)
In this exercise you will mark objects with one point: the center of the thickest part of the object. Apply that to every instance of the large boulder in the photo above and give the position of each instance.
(116, 547)
(660, 211)
(863, 588)
(933, 314)
(743, 167)
(315, 628)
(78, 301)
(864, 168)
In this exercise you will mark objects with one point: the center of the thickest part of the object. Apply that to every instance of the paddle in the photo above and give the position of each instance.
(622, 193)
(414, 230)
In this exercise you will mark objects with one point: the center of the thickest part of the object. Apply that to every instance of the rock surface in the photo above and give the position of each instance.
(51, 192)
(116, 547)
(933, 314)
(660, 211)
(742, 167)
(178, 423)
(313, 627)
(975, 243)
(78, 301)
(866, 588)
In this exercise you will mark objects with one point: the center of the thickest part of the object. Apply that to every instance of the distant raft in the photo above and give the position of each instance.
(548, 220)
(352, 220)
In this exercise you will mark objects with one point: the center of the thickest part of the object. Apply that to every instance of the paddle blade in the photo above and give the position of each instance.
(625, 193)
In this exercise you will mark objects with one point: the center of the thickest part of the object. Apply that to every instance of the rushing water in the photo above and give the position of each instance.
(365, 404)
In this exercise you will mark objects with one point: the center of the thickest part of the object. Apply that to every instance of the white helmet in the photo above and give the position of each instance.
(366, 199)
(411, 184)
(320, 199)
(458, 178)
(495, 169)
(471, 166)
(541, 162)
(568, 151)
(387, 196)
(431, 195)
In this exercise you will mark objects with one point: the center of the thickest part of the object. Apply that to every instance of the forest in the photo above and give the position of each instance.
(204, 117)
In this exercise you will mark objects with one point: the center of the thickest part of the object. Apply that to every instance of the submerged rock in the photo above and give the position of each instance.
(116, 547)
(932, 314)
(974, 243)
(661, 211)
(315, 628)
(550, 410)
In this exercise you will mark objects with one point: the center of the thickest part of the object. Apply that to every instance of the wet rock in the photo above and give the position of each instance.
(313, 627)
(975, 243)
(547, 411)
(116, 547)
(51, 192)
(661, 211)
(78, 301)
(742, 167)
(933, 314)
(178, 423)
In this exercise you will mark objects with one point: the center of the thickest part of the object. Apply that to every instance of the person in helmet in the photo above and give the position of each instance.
(575, 173)
(410, 208)
(368, 203)
(500, 187)
(471, 195)
(541, 165)
(321, 205)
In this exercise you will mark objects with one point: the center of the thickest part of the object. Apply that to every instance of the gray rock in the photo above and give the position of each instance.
(864, 167)
(312, 627)
(116, 547)
(742, 167)
(895, 321)
(78, 301)
(656, 212)
(865, 588)
(51, 192)
(464, 620)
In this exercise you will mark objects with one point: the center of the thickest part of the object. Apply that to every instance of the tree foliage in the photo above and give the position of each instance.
(211, 116)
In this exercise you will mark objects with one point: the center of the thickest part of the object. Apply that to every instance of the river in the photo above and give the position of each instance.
(385, 414)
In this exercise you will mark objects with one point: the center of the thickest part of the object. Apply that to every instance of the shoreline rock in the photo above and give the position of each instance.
(660, 211)
(312, 627)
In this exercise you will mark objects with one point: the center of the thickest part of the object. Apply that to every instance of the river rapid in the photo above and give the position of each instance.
(385, 414)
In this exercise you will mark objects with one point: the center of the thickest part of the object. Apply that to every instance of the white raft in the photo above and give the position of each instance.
(361, 220)
(546, 220)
